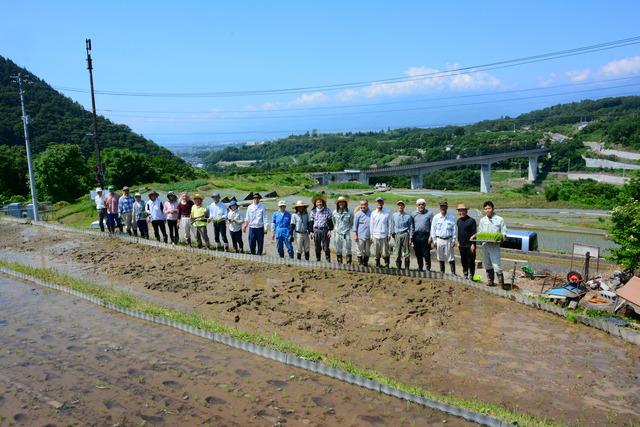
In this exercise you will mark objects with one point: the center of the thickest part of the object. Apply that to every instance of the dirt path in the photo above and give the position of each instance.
(439, 335)
(98, 368)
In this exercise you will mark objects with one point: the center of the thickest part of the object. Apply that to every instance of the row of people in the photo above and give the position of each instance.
(374, 231)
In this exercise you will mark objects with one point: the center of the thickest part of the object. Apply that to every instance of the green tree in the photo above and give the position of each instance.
(61, 173)
(13, 171)
(124, 167)
(625, 231)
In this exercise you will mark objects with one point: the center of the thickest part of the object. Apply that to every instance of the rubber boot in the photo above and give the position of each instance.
(349, 259)
(441, 266)
(366, 261)
(339, 258)
(189, 241)
(506, 287)
(299, 256)
(135, 233)
(166, 239)
(420, 264)
(378, 262)
(306, 256)
(290, 255)
(121, 229)
(387, 261)
(398, 264)
(452, 266)
(407, 263)
(360, 260)
(129, 232)
(328, 258)
(428, 262)
(490, 278)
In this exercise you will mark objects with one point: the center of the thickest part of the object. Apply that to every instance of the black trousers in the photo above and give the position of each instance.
(422, 250)
(173, 230)
(321, 241)
(158, 226)
(220, 231)
(236, 239)
(102, 214)
(468, 260)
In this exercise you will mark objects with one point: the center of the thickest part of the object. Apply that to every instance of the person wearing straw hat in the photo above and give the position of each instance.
(257, 222)
(362, 232)
(402, 233)
(101, 207)
(198, 218)
(235, 220)
(466, 228)
(443, 235)
(299, 230)
(113, 218)
(281, 220)
(381, 226)
(184, 217)
(125, 209)
(342, 223)
(171, 211)
(218, 216)
(421, 232)
(155, 211)
(322, 221)
(140, 216)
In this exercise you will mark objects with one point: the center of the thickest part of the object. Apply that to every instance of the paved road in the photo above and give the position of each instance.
(66, 362)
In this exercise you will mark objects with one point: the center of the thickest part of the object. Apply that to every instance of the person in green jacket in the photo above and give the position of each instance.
(342, 224)
(199, 220)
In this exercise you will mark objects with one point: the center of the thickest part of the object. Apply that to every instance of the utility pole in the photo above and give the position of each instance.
(25, 124)
(96, 140)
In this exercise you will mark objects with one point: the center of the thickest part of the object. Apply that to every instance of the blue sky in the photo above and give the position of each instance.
(204, 47)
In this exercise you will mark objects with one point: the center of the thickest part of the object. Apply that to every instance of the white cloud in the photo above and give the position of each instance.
(621, 67)
(346, 95)
(549, 80)
(270, 105)
(579, 75)
(310, 99)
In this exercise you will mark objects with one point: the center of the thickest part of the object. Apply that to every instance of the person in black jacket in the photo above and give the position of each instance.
(466, 228)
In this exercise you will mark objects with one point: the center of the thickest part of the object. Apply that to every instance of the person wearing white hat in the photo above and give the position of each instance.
(101, 207)
(421, 232)
(444, 234)
(381, 226)
(140, 217)
(342, 223)
(299, 230)
(218, 215)
(256, 222)
(281, 220)
(155, 213)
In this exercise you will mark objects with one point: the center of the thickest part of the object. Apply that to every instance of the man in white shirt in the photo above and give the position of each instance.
(101, 207)
(444, 233)
(218, 216)
(492, 223)
(257, 222)
(381, 226)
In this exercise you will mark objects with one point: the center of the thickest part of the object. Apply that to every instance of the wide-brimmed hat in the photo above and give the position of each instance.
(137, 195)
(171, 194)
(462, 207)
(125, 188)
(98, 190)
(318, 197)
(342, 199)
(282, 203)
(233, 203)
(153, 192)
(443, 203)
(300, 204)
(379, 199)
(400, 202)
(197, 196)
(216, 194)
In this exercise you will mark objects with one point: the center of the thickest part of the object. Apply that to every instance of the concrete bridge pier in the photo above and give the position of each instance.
(363, 178)
(485, 178)
(417, 181)
(533, 169)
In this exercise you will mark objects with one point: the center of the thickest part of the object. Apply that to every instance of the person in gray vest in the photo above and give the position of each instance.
(342, 223)
(402, 233)
(421, 233)
(299, 235)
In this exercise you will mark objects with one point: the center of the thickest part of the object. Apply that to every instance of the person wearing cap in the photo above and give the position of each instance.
(466, 228)
(402, 233)
(218, 216)
(362, 232)
(421, 232)
(342, 222)
(257, 222)
(140, 217)
(281, 220)
(443, 235)
(198, 218)
(299, 230)
(381, 228)
(235, 220)
(125, 209)
(184, 217)
(171, 212)
(101, 207)
(492, 223)
(155, 213)
(322, 223)
(113, 217)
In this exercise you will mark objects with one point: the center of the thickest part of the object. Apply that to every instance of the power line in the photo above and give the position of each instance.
(340, 86)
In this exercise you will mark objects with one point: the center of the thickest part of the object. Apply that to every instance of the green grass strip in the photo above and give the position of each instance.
(273, 341)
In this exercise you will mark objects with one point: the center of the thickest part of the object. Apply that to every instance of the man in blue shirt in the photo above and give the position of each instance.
(444, 233)
(125, 209)
(402, 233)
(281, 220)
(362, 232)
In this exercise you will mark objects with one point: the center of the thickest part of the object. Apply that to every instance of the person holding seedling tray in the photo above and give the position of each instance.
(491, 231)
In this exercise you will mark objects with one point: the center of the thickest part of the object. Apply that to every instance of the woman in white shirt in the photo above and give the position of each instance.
(156, 214)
